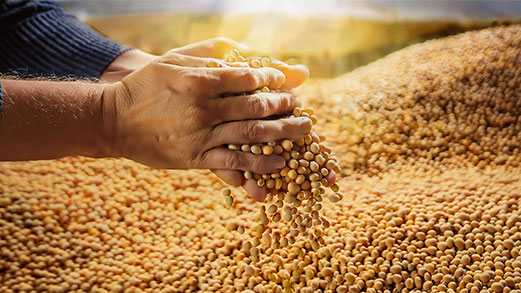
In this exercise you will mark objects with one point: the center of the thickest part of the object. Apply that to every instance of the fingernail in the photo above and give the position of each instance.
(305, 124)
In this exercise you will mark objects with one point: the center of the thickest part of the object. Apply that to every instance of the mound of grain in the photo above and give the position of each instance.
(429, 137)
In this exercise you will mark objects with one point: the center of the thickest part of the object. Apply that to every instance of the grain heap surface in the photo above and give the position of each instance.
(429, 137)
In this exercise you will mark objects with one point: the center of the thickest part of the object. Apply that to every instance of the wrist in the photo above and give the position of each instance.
(125, 63)
(112, 96)
(97, 143)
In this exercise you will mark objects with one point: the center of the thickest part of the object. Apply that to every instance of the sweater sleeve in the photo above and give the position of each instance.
(1, 100)
(39, 38)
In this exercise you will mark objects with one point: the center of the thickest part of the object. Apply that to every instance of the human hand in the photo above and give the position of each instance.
(295, 76)
(213, 48)
(219, 47)
(131, 60)
(170, 114)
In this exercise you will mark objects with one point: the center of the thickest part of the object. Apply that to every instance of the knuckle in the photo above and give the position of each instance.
(234, 161)
(195, 161)
(198, 82)
(191, 83)
(285, 102)
(169, 57)
(201, 114)
(258, 105)
(285, 125)
(254, 130)
(250, 79)
(257, 164)
(165, 58)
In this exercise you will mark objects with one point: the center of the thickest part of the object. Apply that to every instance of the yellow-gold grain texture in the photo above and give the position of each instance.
(428, 140)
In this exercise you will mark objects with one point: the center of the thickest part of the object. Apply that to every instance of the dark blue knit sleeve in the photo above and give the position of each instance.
(1, 100)
(39, 38)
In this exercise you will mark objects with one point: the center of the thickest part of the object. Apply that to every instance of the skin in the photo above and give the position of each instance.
(166, 114)
(169, 114)
(47, 120)
(217, 48)
(163, 111)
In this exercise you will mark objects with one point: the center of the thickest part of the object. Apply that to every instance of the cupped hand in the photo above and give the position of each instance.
(170, 114)
(134, 59)
(219, 47)
(216, 48)
(295, 76)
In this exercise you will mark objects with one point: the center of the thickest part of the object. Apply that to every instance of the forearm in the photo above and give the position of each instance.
(47, 120)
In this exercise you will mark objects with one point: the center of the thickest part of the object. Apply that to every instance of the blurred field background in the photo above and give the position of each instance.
(332, 37)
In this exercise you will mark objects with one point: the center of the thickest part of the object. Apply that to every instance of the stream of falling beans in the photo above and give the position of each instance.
(295, 194)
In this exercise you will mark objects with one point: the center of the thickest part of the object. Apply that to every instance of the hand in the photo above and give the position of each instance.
(169, 114)
(295, 76)
(133, 59)
(213, 48)
(219, 47)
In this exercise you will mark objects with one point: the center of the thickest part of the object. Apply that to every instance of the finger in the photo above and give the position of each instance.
(231, 177)
(256, 106)
(254, 191)
(238, 64)
(255, 131)
(222, 158)
(239, 80)
(295, 74)
(214, 48)
(236, 178)
(190, 61)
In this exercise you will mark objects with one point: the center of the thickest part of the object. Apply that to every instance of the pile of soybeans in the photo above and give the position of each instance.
(428, 141)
